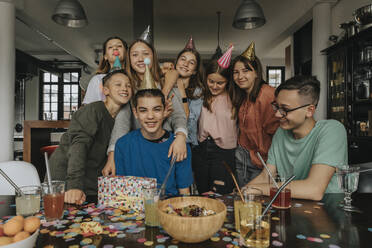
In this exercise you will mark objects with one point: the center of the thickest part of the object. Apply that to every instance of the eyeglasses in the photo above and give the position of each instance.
(284, 112)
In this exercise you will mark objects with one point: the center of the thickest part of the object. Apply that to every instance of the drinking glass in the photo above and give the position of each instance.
(28, 203)
(254, 228)
(251, 196)
(283, 201)
(151, 199)
(53, 200)
(348, 178)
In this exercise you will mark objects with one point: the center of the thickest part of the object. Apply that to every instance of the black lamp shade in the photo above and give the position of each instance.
(70, 13)
(249, 15)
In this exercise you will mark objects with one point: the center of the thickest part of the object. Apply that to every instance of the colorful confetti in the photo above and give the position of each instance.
(277, 243)
(274, 235)
(297, 205)
(308, 212)
(141, 240)
(333, 246)
(215, 239)
(275, 218)
(300, 236)
(324, 236)
(227, 239)
(317, 240)
(148, 243)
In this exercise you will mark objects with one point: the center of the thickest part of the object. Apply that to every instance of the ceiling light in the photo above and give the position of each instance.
(249, 15)
(70, 13)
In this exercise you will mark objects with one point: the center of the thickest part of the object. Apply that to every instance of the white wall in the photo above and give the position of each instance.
(343, 12)
(32, 99)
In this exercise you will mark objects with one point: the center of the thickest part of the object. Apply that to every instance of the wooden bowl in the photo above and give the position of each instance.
(192, 229)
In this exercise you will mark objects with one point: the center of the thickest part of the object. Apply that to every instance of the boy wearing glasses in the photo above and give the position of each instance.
(302, 146)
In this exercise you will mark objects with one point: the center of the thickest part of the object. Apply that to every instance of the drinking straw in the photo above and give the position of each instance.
(48, 172)
(234, 179)
(365, 170)
(162, 188)
(277, 194)
(11, 182)
(267, 168)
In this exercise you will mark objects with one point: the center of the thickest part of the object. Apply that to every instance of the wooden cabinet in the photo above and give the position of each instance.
(37, 135)
(349, 65)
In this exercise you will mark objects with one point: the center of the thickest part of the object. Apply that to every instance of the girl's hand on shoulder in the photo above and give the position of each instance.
(75, 196)
(170, 79)
(178, 147)
(168, 106)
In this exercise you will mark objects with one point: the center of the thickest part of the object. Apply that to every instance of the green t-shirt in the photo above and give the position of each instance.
(325, 144)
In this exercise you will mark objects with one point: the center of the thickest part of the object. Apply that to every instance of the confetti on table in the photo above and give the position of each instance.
(317, 240)
(86, 241)
(297, 205)
(277, 243)
(235, 234)
(73, 246)
(141, 240)
(316, 207)
(333, 246)
(229, 246)
(215, 239)
(121, 235)
(320, 203)
(274, 234)
(148, 243)
(324, 236)
(300, 236)
(275, 218)
(159, 246)
(227, 239)
(308, 212)
(108, 246)
(173, 246)
(43, 231)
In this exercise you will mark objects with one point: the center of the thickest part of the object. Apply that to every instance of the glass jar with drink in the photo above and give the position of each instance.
(151, 199)
(283, 201)
(252, 199)
(254, 227)
(53, 198)
(28, 203)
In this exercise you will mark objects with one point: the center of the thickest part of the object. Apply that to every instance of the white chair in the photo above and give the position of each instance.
(22, 173)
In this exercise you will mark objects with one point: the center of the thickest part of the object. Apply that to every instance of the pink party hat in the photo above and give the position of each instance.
(225, 59)
(190, 44)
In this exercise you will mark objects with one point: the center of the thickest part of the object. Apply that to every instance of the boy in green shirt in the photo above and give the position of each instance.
(302, 146)
(81, 154)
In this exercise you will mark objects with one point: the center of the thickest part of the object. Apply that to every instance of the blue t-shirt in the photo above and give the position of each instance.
(136, 156)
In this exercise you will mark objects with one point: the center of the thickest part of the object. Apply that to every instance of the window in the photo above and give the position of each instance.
(60, 94)
(275, 75)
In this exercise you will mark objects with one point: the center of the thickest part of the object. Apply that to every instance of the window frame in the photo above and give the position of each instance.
(281, 68)
(60, 84)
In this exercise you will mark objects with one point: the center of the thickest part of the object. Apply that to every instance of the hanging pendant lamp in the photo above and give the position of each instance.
(70, 13)
(218, 52)
(249, 15)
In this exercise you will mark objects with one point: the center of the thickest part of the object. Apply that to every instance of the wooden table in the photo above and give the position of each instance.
(305, 217)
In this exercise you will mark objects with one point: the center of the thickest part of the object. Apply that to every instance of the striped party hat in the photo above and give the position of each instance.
(225, 59)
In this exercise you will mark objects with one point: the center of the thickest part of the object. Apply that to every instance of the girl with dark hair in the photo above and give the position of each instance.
(252, 98)
(112, 47)
(217, 134)
(186, 82)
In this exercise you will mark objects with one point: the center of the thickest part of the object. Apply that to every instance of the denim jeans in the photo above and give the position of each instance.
(245, 170)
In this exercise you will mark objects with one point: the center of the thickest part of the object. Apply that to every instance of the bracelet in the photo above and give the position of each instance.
(184, 99)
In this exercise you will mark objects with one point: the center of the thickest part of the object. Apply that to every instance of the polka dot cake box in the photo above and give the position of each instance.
(123, 191)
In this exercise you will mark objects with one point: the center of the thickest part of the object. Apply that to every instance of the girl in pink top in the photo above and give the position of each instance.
(217, 134)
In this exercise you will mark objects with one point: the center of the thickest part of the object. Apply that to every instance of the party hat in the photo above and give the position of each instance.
(249, 53)
(146, 35)
(148, 81)
(225, 59)
(190, 44)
